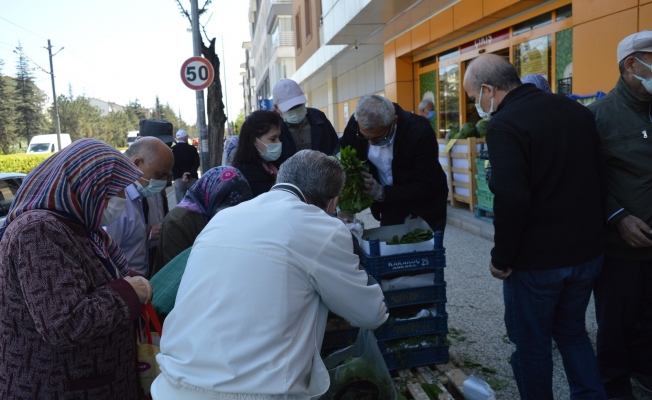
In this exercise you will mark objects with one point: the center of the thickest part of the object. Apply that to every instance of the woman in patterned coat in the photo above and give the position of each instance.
(67, 304)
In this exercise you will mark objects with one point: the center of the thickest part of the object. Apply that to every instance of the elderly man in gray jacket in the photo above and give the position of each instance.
(251, 310)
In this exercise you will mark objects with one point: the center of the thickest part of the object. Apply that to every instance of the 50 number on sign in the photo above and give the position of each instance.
(197, 73)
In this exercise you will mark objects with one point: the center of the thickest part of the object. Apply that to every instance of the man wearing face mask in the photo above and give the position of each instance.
(427, 109)
(154, 158)
(405, 176)
(547, 181)
(623, 292)
(303, 128)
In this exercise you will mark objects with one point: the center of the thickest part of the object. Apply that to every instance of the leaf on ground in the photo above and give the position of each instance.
(432, 390)
(498, 384)
(401, 397)
(506, 339)
(472, 363)
(488, 369)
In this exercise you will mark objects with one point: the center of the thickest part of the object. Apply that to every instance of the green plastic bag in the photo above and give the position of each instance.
(359, 372)
(165, 283)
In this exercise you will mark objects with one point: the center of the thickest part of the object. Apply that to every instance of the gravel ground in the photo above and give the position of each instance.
(479, 343)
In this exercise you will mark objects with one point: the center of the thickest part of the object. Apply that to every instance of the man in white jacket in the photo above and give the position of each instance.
(251, 310)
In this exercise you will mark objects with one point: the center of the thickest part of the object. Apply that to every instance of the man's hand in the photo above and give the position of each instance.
(372, 188)
(632, 231)
(142, 287)
(154, 232)
(186, 177)
(499, 274)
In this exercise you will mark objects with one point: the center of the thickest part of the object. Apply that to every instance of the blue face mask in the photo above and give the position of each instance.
(386, 141)
(431, 115)
(155, 186)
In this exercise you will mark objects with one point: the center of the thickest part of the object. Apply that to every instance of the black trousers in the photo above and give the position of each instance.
(623, 305)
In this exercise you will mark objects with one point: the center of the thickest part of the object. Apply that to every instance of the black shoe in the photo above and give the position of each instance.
(644, 382)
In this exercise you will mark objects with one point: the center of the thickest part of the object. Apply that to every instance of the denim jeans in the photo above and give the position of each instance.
(551, 304)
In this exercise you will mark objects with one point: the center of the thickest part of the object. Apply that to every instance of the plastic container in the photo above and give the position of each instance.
(485, 199)
(422, 295)
(390, 330)
(482, 183)
(480, 163)
(401, 264)
(417, 357)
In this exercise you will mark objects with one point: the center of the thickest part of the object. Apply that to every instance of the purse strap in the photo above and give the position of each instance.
(148, 313)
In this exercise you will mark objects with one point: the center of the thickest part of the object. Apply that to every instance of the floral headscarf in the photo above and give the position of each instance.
(74, 183)
(218, 188)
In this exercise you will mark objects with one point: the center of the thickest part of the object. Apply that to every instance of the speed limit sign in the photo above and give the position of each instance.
(197, 73)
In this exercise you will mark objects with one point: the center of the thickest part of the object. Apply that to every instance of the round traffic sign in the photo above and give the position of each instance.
(197, 73)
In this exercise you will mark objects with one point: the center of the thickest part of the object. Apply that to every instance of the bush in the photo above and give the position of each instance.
(24, 163)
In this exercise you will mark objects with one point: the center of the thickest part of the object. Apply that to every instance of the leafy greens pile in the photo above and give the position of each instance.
(416, 236)
(352, 199)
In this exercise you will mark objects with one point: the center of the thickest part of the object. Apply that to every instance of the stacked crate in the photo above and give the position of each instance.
(485, 207)
(435, 328)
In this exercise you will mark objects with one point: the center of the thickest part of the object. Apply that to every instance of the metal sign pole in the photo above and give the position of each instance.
(201, 109)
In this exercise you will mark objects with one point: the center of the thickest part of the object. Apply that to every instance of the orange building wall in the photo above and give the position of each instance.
(308, 46)
(599, 25)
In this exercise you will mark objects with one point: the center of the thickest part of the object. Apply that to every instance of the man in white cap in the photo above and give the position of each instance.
(186, 163)
(623, 292)
(303, 128)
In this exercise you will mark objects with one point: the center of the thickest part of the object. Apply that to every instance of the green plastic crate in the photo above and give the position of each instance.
(481, 163)
(485, 199)
(482, 183)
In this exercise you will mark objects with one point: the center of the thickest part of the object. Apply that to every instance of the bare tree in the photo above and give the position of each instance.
(214, 104)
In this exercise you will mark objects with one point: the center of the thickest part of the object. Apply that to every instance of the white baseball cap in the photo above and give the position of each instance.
(639, 41)
(288, 94)
(181, 134)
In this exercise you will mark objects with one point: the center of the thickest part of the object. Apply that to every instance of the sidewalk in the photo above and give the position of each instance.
(458, 217)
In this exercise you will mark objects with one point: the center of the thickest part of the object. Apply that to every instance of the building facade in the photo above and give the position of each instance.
(272, 45)
(420, 48)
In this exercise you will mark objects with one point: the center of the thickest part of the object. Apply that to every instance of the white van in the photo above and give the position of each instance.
(131, 137)
(47, 143)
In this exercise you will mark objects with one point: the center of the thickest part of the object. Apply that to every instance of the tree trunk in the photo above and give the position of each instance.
(215, 108)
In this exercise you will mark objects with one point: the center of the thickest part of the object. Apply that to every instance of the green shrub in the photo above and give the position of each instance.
(24, 163)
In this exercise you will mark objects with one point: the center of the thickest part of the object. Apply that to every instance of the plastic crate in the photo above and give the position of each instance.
(418, 357)
(390, 330)
(407, 297)
(481, 163)
(485, 199)
(401, 264)
(482, 183)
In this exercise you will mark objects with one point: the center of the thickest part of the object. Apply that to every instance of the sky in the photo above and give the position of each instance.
(122, 50)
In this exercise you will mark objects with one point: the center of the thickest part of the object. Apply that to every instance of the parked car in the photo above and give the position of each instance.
(47, 143)
(9, 184)
(131, 137)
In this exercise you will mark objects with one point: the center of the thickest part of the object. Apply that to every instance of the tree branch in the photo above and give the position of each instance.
(183, 11)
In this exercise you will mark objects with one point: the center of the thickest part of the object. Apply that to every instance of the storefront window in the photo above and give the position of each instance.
(533, 23)
(564, 61)
(533, 57)
(449, 99)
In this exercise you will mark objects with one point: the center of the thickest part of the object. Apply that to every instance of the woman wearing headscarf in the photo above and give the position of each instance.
(258, 148)
(67, 304)
(219, 188)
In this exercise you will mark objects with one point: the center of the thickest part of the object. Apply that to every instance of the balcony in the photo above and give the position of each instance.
(283, 39)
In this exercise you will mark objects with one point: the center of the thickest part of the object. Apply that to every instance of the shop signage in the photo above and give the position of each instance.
(485, 41)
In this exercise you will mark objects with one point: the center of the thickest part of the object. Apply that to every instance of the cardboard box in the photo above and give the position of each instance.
(386, 233)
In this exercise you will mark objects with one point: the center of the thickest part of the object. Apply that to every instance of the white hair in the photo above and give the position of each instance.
(373, 111)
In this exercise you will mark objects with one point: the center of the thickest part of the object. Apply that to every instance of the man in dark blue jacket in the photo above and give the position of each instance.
(303, 128)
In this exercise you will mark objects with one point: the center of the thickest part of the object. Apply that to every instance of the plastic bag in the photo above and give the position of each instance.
(148, 348)
(359, 371)
(356, 228)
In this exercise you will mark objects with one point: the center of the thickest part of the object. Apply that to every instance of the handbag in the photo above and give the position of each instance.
(148, 348)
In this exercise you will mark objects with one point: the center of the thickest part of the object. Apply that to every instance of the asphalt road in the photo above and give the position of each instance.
(479, 344)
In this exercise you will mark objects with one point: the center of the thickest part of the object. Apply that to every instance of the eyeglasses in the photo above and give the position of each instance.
(359, 134)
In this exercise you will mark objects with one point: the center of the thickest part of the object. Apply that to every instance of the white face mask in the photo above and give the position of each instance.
(484, 115)
(273, 151)
(112, 211)
(296, 115)
(647, 83)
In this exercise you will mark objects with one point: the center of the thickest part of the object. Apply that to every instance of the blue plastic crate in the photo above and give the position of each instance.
(407, 358)
(402, 264)
(407, 297)
(437, 325)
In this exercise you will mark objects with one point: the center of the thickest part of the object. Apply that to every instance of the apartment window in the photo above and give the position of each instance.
(533, 23)
(297, 30)
(306, 7)
(564, 12)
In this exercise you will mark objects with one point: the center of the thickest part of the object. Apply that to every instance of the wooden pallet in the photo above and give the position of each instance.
(448, 378)
(465, 168)
(483, 213)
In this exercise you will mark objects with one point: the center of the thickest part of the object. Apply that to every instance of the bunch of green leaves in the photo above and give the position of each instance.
(415, 236)
(353, 199)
